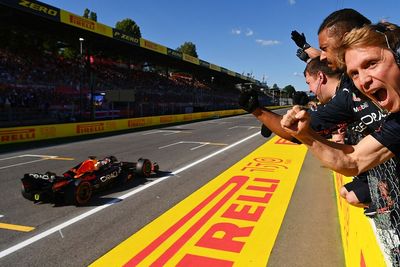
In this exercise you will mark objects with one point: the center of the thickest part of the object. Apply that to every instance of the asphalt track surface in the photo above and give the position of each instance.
(62, 238)
(189, 156)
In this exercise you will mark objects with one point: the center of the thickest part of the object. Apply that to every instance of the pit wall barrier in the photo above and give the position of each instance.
(360, 244)
(52, 131)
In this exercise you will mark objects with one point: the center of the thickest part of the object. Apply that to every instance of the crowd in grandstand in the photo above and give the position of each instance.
(45, 87)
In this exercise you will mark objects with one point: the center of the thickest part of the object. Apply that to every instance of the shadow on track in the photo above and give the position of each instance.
(101, 197)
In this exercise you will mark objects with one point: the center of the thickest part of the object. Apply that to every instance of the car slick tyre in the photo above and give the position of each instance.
(78, 194)
(25, 194)
(143, 167)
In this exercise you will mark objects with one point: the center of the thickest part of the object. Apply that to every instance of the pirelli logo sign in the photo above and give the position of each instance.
(13, 136)
(82, 23)
(187, 117)
(191, 59)
(136, 123)
(236, 208)
(166, 119)
(153, 46)
(89, 128)
(231, 221)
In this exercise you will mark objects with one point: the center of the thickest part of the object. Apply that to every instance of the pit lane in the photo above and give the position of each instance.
(190, 155)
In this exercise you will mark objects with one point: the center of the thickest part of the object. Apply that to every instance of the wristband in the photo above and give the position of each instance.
(306, 46)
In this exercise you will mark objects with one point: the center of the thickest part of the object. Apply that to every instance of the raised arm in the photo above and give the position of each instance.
(305, 51)
(346, 159)
(248, 100)
(272, 121)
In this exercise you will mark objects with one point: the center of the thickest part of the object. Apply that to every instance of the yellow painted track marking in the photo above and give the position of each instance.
(16, 227)
(231, 221)
(59, 158)
(218, 144)
(359, 239)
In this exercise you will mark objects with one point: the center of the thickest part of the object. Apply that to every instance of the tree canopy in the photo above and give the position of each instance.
(300, 98)
(188, 48)
(289, 90)
(86, 13)
(90, 14)
(130, 27)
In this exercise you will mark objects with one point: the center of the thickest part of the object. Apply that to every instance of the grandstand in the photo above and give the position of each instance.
(58, 67)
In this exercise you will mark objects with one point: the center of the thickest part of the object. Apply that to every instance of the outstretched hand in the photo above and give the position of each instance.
(300, 40)
(248, 100)
(265, 131)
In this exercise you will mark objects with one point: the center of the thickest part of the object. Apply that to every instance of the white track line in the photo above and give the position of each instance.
(43, 157)
(23, 163)
(29, 155)
(177, 143)
(99, 208)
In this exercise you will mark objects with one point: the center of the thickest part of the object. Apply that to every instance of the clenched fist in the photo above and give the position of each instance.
(296, 122)
(248, 100)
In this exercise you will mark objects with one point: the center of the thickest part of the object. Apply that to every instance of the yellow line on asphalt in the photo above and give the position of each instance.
(59, 158)
(218, 144)
(16, 227)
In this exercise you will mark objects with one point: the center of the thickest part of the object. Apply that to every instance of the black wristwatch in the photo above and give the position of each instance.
(306, 46)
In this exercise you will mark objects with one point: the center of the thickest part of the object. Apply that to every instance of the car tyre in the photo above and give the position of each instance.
(156, 167)
(79, 194)
(25, 194)
(143, 167)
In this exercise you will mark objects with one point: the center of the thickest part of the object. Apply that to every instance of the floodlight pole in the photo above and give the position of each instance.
(81, 44)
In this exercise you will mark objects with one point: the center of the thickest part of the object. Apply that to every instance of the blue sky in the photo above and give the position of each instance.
(250, 36)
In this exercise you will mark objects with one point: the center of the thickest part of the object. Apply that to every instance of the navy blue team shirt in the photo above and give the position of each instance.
(346, 107)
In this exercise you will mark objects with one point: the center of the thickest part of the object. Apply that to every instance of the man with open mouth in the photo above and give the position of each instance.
(371, 56)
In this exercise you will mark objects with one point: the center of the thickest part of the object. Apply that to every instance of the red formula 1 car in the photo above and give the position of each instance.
(76, 185)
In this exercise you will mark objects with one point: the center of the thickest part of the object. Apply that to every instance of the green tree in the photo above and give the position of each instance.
(188, 48)
(289, 90)
(90, 14)
(93, 16)
(86, 13)
(130, 27)
(275, 86)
